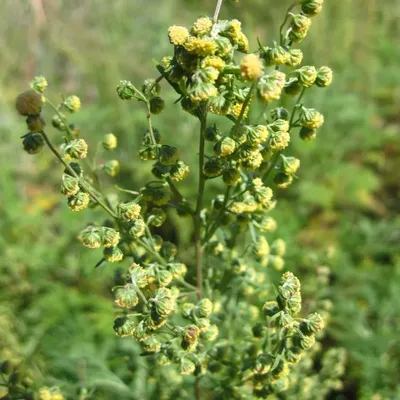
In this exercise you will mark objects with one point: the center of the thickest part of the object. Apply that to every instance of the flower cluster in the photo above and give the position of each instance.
(204, 315)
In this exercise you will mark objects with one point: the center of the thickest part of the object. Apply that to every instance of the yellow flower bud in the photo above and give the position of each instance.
(251, 67)
(39, 84)
(202, 26)
(201, 47)
(178, 35)
(73, 103)
(110, 141)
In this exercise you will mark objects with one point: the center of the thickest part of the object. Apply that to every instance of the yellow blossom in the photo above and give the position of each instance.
(251, 67)
(214, 61)
(178, 35)
(201, 47)
(202, 26)
(236, 109)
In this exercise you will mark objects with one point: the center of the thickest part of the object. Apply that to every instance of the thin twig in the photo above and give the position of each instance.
(217, 10)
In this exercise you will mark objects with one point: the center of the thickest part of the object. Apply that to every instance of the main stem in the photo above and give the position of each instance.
(199, 206)
(217, 10)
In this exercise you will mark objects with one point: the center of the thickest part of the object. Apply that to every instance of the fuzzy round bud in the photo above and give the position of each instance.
(311, 7)
(178, 35)
(58, 122)
(187, 310)
(29, 103)
(157, 105)
(270, 86)
(39, 84)
(128, 211)
(211, 333)
(111, 168)
(75, 149)
(69, 185)
(186, 367)
(276, 262)
(79, 201)
(231, 176)
(72, 103)
(308, 134)
(279, 140)
(212, 133)
(35, 123)
(278, 247)
(164, 278)
(267, 224)
(151, 344)
(126, 296)
(201, 47)
(290, 165)
(178, 270)
(295, 57)
(91, 237)
(302, 341)
(324, 77)
(159, 170)
(313, 324)
(157, 217)
(213, 61)
(204, 308)
(224, 47)
(110, 237)
(33, 143)
(270, 308)
(179, 171)
(137, 229)
(162, 302)
(251, 67)
(225, 146)
(289, 284)
(300, 23)
(201, 91)
(202, 26)
(113, 254)
(279, 113)
(169, 155)
(124, 326)
(212, 168)
(169, 250)
(282, 180)
(110, 141)
(311, 118)
(138, 275)
(261, 247)
(125, 90)
(276, 55)
(306, 75)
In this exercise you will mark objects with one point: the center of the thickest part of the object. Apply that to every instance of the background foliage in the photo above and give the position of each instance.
(343, 212)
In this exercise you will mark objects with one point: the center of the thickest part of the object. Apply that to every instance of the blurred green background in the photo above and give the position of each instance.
(56, 310)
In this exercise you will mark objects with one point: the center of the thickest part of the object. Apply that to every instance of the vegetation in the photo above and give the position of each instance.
(338, 220)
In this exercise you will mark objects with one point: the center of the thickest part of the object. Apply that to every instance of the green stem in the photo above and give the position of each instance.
(199, 205)
(216, 225)
(217, 10)
(285, 20)
(150, 125)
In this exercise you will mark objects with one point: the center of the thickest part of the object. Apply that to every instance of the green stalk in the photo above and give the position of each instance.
(199, 206)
